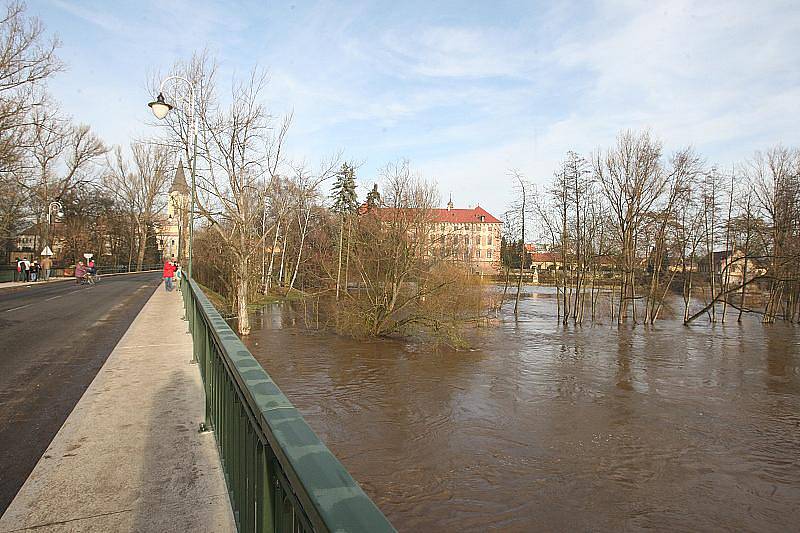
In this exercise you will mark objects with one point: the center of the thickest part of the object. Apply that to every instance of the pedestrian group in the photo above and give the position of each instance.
(32, 270)
(172, 271)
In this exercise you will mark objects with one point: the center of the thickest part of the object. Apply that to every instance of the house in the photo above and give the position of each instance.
(543, 260)
(29, 243)
(474, 233)
(730, 265)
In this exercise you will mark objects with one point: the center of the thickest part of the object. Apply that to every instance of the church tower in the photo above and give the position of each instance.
(176, 230)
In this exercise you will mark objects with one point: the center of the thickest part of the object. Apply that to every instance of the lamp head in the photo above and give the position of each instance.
(159, 107)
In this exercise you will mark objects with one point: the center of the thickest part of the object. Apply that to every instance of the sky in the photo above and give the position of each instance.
(466, 91)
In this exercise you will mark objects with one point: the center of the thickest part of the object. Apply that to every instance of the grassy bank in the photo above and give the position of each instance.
(222, 304)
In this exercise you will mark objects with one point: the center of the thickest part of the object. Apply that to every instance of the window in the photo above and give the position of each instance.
(489, 254)
(489, 240)
(466, 240)
(478, 239)
(478, 254)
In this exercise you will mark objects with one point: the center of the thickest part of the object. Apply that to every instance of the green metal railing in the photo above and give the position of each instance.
(280, 476)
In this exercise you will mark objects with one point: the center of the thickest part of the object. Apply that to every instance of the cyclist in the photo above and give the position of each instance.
(80, 273)
(92, 271)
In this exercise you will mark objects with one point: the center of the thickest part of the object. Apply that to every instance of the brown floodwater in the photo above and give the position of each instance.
(546, 428)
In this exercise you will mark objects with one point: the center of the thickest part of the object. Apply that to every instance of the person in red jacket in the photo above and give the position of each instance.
(168, 274)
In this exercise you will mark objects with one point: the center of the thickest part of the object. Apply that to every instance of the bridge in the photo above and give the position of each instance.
(124, 407)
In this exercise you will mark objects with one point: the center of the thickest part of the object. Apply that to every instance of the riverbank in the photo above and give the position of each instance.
(222, 305)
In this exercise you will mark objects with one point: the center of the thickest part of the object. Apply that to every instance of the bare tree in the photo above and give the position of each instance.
(631, 178)
(684, 168)
(776, 178)
(521, 207)
(307, 185)
(237, 154)
(27, 59)
(140, 188)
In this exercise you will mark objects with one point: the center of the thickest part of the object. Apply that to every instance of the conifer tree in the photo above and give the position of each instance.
(345, 203)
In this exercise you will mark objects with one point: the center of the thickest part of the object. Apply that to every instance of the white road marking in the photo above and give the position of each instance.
(15, 308)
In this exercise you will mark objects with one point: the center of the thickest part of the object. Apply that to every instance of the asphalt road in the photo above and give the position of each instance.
(53, 340)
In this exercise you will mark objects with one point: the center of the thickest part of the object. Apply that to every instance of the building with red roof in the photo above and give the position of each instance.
(469, 235)
(474, 234)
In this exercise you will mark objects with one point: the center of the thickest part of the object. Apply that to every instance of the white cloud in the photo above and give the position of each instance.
(467, 99)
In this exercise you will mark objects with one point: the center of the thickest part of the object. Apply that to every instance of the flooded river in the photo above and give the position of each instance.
(545, 428)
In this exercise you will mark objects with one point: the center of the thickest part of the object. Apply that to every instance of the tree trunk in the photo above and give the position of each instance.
(339, 268)
(242, 296)
(142, 245)
(522, 261)
(347, 257)
(303, 229)
(281, 277)
(272, 256)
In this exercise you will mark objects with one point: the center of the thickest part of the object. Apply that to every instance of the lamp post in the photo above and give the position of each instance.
(53, 205)
(47, 252)
(161, 109)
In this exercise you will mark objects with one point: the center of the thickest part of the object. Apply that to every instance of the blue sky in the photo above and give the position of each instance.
(464, 90)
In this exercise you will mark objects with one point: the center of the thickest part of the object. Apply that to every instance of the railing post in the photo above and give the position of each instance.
(265, 492)
(193, 329)
(207, 373)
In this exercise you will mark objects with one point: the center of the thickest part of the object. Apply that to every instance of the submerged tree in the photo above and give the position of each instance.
(632, 180)
(409, 281)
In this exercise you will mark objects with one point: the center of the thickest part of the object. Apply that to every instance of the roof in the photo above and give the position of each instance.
(451, 216)
(30, 230)
(545, 257)
(464, 216)
(179, 183)
(718, 256)
(38, 228)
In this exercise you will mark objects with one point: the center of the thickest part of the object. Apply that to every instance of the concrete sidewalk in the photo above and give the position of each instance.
(129, 457)
(12, 284)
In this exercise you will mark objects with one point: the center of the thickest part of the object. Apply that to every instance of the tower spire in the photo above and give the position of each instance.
(179, 183)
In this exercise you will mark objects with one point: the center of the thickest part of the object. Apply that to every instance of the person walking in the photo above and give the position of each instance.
(179, 275)
(168, 274)
(18, 274)
(34, 271)
(47, 264)
(80, 272)
(26, 269)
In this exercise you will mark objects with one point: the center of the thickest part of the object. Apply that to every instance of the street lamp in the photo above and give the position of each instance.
(55, 205)
(161, 109)
(60, 213)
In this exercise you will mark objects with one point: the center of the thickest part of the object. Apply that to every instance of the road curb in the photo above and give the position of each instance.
(32, 284)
